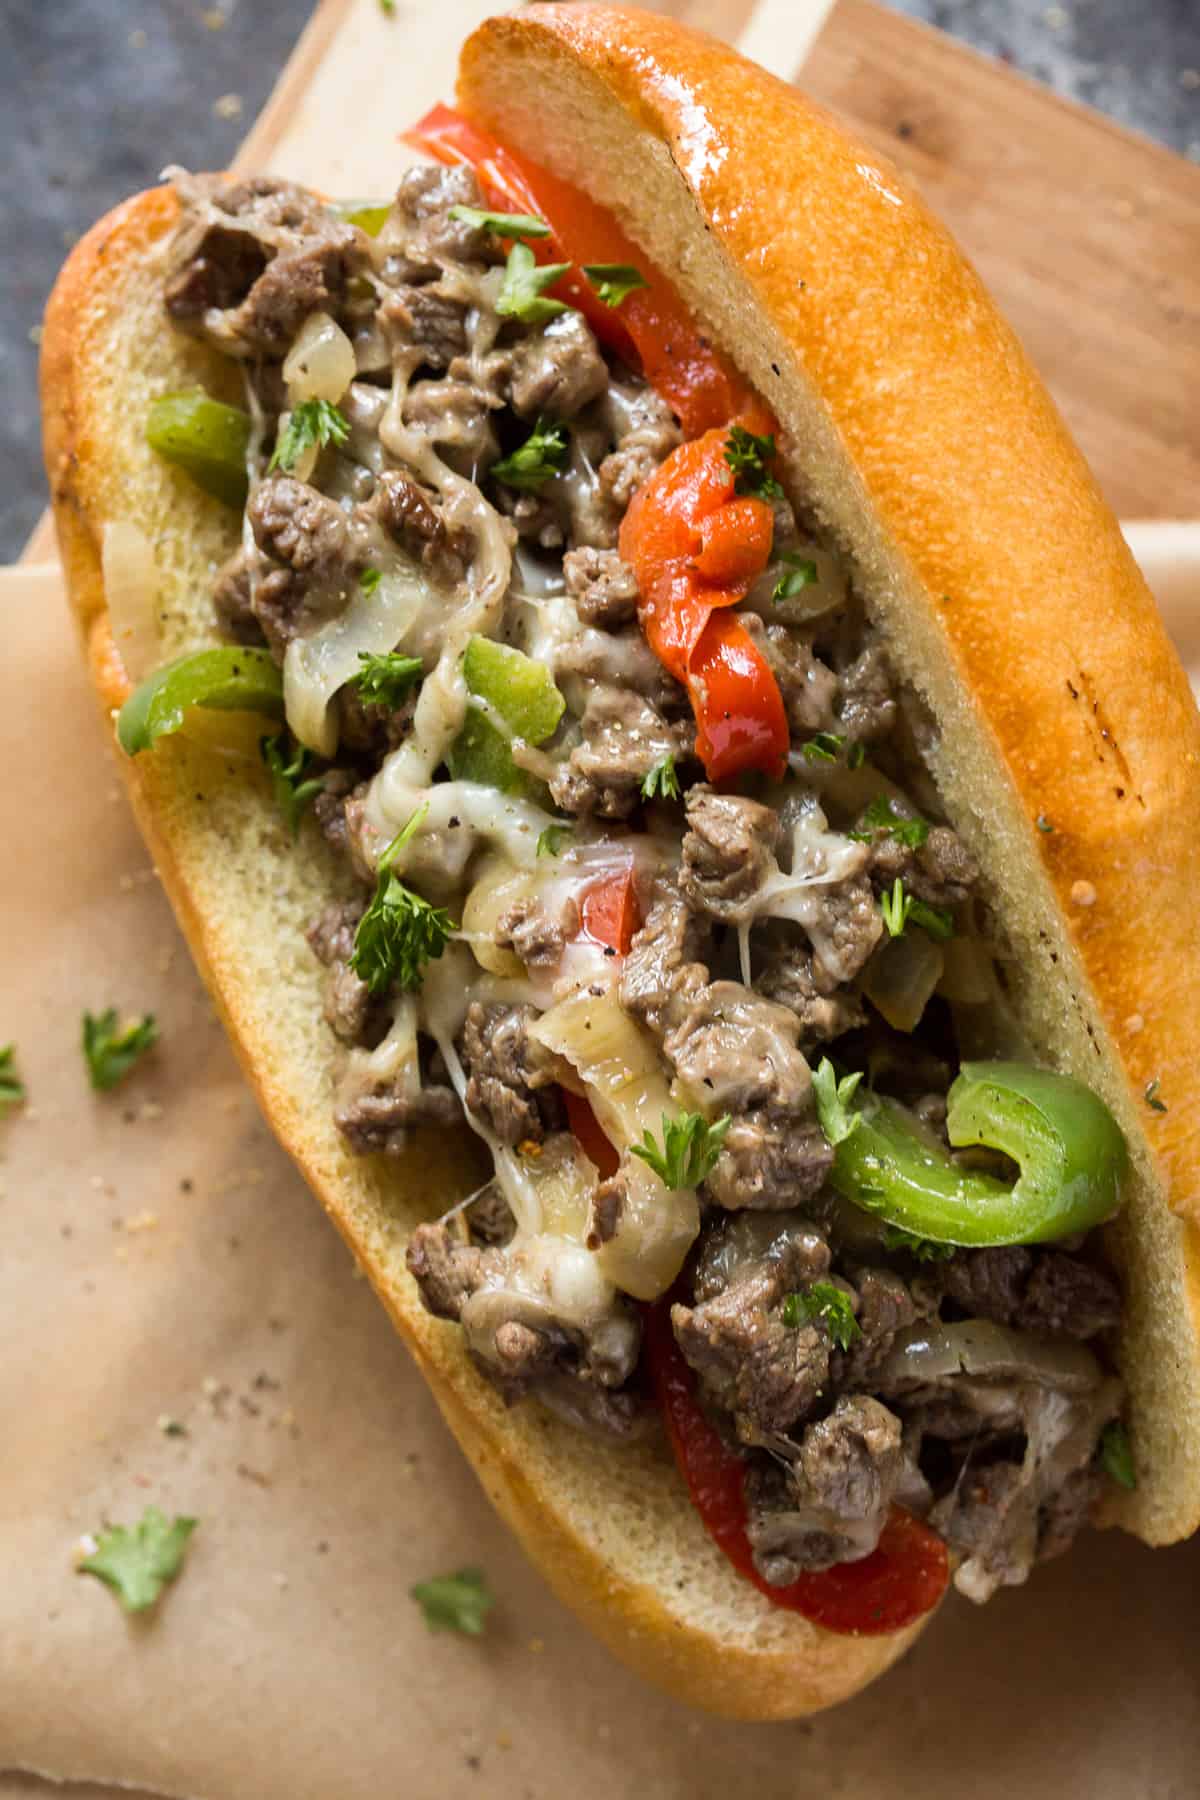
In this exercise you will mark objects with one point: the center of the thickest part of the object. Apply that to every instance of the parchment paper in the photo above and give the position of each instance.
(160, 1259)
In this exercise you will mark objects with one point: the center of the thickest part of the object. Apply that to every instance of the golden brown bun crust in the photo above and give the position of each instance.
(612, 1531)
(917, 430)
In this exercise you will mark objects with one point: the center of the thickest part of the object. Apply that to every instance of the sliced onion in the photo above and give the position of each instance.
(131, 590)
(979, 1347)
(813, 600)
(967, 974)
(901, 977)
(316, 666)
(497, 887)
(320, 364)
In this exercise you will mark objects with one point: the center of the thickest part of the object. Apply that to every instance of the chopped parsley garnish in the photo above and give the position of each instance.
(543, 454)
(523, 291)
(614, 282)
(12, 1088)
(856, 755)
(829, 1305)
(550, 841)
(509, 225)
(748, 455)
(924, 1249)
(689, 1151)
(385, 679)
(388, 8)
(137, 1561)
(287, 762)
(1151, 1097)
(881, 816)
(826, 746)
(313, 422)
(458, 1602)
(1116, 1454)
(661, 783)
(899, 909)
(111, 1050)
(834, 1113)
(399, 932)
(370, 579)
(801, 573)
(1043, 823)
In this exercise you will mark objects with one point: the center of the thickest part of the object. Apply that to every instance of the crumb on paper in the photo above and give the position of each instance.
(254, 1475)
(537, 1645)
(503, 1741)
(171, 1427)
(138, 39)
(228, 106)
(213, 19)
(143, 1221)
(150, 1109)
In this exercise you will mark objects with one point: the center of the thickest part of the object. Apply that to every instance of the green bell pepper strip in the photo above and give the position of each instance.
(206, 439)
(368, 215)
(515, 697)
(1070, 1152)
(226, 680)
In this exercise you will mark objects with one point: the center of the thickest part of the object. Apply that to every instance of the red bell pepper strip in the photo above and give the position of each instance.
(903, 1578)
(590, 1133)
(651, 327)
(695, 546)
(609, 916)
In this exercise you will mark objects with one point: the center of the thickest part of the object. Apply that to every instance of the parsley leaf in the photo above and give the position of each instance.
(543, 454)
(1043, 824)
(661, 782)
(111, 1051)
(856, 755)
(833, 1099)
(399, 932)
(287, 761)
(12, 1088)
(801, 573)
(550, 841)
(826, 746)
(924, 1249)
(828, 1304)
(510, 225)
(748, 455)
(137, 1561)
(384, 679)
(614, 282)
(881, 816)
(369, 580)
(458, 1602)
(690, 1149)
(1116, 1454)
(1151, 1097)
(898, 908)
(523, 291)
(316, 422)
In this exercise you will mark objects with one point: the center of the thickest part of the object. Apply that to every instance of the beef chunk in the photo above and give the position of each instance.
(370, 730)
(422, 211)
(350, 1010)
(232, 600)
(832, 1503)
(312, 555)
(427, 319)
(646, 435)
(531, 933)
(764, 1373)
(378, 1122)
(329, 808)
(789, 974)
(847, 927)
(623, 737)
(883, 1307)
(602, 586)
(770, 1159)
(727, 851)
(866, 707)
(990, 1524)
(534, 517)
(1067, 1511)
(808, 687)
(623, 659)
(942, 872)
(511, 1082)
(456, 416)
(988, 1284)
(490, 1218)
(249, 285)
(1066, 1295)
(664, 968)
(499, 1295)
(409, 514)
(557, 370)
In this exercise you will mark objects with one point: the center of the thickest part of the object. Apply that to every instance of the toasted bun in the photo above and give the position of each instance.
(931, 452)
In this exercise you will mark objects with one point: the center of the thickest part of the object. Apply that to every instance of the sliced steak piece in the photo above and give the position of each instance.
(789, 974)
(558, 369)
(602, 586)
(623, 738)
(728, 851)
(511, 1085)
(866, 708)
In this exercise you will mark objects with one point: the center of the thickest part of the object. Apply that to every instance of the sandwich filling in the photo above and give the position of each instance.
(655, 891)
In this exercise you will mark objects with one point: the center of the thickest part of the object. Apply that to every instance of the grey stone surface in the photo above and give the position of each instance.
(97, 95)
